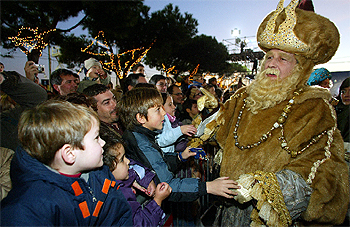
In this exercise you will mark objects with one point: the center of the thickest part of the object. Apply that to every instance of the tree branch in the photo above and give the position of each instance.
(69, 29)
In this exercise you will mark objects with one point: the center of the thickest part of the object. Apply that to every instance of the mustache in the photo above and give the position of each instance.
(272, 71)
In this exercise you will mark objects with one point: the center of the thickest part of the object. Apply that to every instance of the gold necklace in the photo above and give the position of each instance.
(278, 124)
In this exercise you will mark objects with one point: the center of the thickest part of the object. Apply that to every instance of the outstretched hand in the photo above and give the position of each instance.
(188, 130)
(221, 187)
(187, 153)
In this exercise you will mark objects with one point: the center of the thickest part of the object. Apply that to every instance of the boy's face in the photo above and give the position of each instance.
(94, 71)
(91, 157)
(155, 118)
(194, 110)
(121, 172)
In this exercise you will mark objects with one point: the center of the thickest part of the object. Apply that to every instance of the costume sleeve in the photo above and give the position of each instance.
(296, 192)
(148, 215)
(169, 135)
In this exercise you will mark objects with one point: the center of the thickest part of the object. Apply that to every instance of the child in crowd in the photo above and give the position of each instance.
(58, 176)
(191, 112)
(142, 114)
(151, 213)
(173, 135)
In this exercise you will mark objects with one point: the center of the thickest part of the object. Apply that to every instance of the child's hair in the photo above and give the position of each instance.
(188, 104)
(165, 96)
(137, 101)
(44, 129)
(111, 148)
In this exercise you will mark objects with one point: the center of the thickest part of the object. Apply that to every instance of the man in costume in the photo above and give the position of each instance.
(278, 136)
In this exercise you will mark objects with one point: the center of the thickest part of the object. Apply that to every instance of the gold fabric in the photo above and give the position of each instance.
(299, 31)
(310, 115)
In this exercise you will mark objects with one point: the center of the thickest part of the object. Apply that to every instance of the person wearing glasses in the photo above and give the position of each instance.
(160, 82)
(343, 109)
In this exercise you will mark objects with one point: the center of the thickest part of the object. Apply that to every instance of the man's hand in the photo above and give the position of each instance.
(31, 70)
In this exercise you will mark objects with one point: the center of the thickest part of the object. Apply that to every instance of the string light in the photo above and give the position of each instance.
(194, 71)
(167, 71)
(30, 43)
(111, 65)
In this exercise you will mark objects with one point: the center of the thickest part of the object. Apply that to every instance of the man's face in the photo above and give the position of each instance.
(345, 96)
(1, 68)
(281, 61)
(106, 107)
(69, 85)
(162, 86)
(177, 96)
(326, 83)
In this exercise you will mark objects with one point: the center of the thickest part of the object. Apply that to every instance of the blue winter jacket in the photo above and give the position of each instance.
(42, 197)
(142, 147)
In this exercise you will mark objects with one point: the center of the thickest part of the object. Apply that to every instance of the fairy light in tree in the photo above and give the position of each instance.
(194, 71)
(35, 41)
(111, 65)
(167, 71)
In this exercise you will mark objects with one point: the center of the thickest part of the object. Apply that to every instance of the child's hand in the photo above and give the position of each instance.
(188, 130)
(187, 153)
(101, 73)
(139, 187)
(221, 186)
(163, 190)
(151, 189)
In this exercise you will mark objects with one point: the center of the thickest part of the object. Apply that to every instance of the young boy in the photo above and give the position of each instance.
(131, 175)
(142, 113)
(192, 112)
(58, 177)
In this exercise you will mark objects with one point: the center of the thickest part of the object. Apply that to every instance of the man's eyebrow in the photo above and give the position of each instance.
(105, 100)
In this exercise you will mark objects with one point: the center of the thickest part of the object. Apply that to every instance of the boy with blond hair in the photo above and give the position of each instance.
(142, 113)
(57, 173)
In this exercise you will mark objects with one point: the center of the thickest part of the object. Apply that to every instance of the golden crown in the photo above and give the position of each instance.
(284, 38)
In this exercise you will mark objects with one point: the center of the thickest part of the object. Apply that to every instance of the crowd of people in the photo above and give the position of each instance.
(88, 152)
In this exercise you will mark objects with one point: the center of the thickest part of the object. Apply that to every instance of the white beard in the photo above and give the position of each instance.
(265, 93)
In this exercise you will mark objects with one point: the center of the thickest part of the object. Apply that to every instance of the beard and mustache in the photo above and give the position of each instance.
(265, 93)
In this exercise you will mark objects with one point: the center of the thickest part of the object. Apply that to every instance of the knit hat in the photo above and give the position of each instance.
(91, 62)
(303, 33)
(318, 76)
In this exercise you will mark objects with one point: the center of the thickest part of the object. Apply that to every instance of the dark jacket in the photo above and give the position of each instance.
(150, 214)
(343, 119)
(42, 197)
(26, 94)
(142, 147)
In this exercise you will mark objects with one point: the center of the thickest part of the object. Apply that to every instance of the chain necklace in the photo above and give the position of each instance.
(278, 124)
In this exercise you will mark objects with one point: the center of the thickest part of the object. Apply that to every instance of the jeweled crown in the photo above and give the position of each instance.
(285, 36)
(298, 31)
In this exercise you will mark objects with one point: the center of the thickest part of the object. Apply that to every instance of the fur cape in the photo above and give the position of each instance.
(311, 114)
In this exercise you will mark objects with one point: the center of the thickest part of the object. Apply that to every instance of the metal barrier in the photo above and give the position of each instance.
(190, 213)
